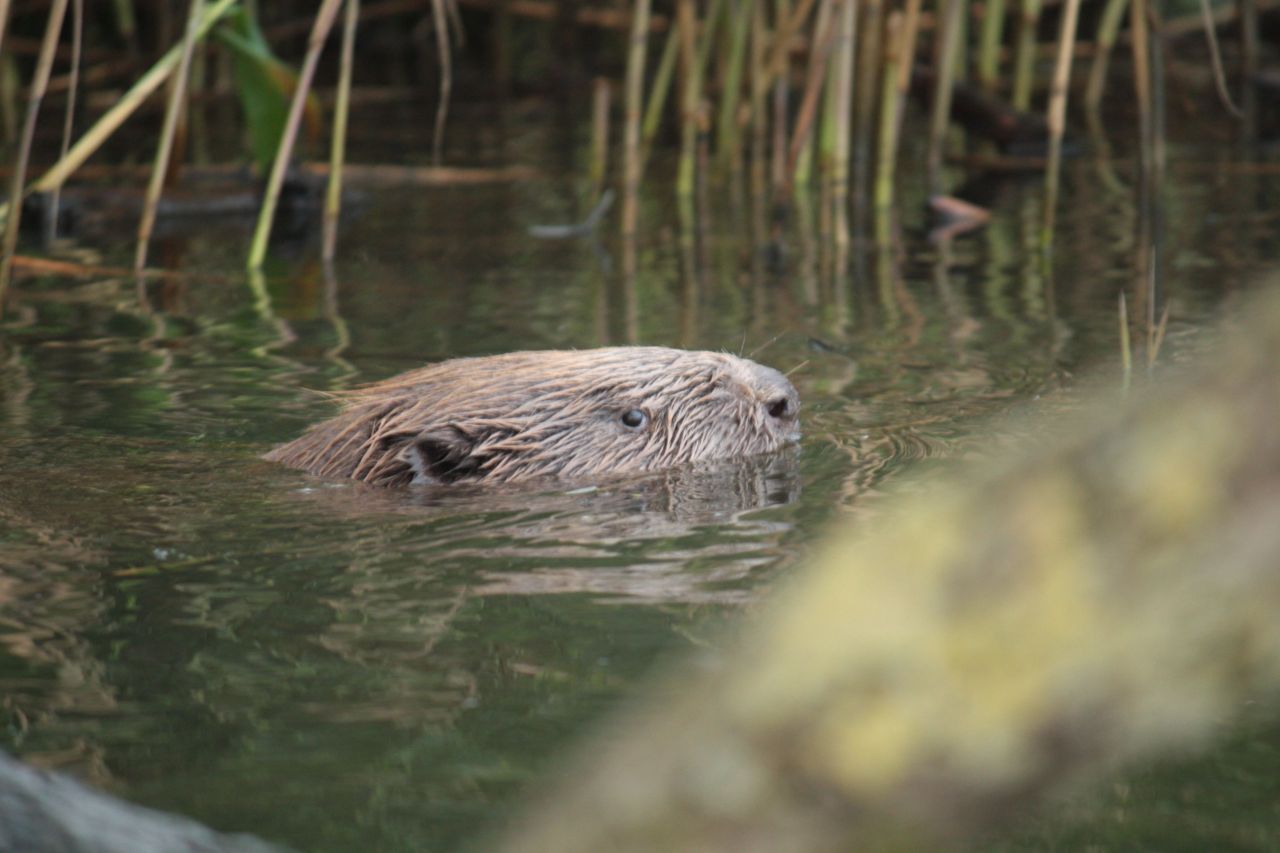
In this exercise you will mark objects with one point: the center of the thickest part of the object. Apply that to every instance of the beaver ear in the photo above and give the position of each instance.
(443, 455)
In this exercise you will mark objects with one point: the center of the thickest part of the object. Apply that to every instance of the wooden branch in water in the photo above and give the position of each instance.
(29, 265)
(1107, 597)
(371, 174)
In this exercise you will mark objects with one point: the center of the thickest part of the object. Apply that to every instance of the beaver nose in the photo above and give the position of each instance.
(777, 395)
(780, 408)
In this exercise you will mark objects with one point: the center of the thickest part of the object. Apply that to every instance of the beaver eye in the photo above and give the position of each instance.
(634, 418)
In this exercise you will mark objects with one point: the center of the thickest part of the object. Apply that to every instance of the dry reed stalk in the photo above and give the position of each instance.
(39, 82)
(1215, 61)
(631, 125)
(319, 32)
(8, 100)
(4, 20)
(787, 27)
(910, 31)
(728, 141)
(989, 40)
(1155, 338)
(781, 91)
(826, 137)
(940, 112)
(599, 166)
(896, 87)
(842, 104)
(338, 144)
(68, 121)
(441, 25)
(128, 103)
(1104, 41)
(160, 168)
(1126, 350)
(869, 70)
(455, 22)
(1057, 116)
(691, 61)
(824, 31)
(1024, 59)
(887, 154)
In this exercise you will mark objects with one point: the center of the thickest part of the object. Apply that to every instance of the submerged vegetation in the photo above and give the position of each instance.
(791, 95)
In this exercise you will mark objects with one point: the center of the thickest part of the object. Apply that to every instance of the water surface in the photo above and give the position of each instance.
(335, 667)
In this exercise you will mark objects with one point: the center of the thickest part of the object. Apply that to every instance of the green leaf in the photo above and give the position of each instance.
(265, 86)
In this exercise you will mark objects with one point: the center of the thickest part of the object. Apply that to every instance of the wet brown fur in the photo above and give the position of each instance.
(525, 415)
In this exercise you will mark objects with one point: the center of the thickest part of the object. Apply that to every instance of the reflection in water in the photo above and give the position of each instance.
(687, 535)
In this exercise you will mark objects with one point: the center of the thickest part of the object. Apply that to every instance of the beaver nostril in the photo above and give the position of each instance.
(779, 407)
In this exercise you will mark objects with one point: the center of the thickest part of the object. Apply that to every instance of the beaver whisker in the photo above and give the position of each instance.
(764, 345)
(797, 367)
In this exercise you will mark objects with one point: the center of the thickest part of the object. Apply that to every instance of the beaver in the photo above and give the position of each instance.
(566, 414)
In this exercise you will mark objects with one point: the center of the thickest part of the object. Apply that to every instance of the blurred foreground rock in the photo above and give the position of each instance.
(1000, 637)
(43, 812)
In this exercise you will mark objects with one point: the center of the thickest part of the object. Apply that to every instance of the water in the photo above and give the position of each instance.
(338, 668)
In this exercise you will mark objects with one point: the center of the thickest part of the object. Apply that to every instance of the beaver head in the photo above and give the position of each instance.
(570, 414)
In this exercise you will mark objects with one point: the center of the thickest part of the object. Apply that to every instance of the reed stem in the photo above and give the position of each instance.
(1215, 61)
(68, 121)
(1249, 64)
(759, 109)
(870, 50)
(338, 144)
(659, 90)
(729, 146)
(1104, 41)
(441, 24)
(599, 166)
(940, 113)
(128, 103)
(160, 168)
(842, 118)
(1058, 92)
(800, 155)
(631, 126)
(886, 155)
(1024, 60)
(690, 98)
(4, 21)
(781, 92)
(1126, 348)
(1139, 45)
(786, 29)
(989, 41)
(39, 85)
(319, 32)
